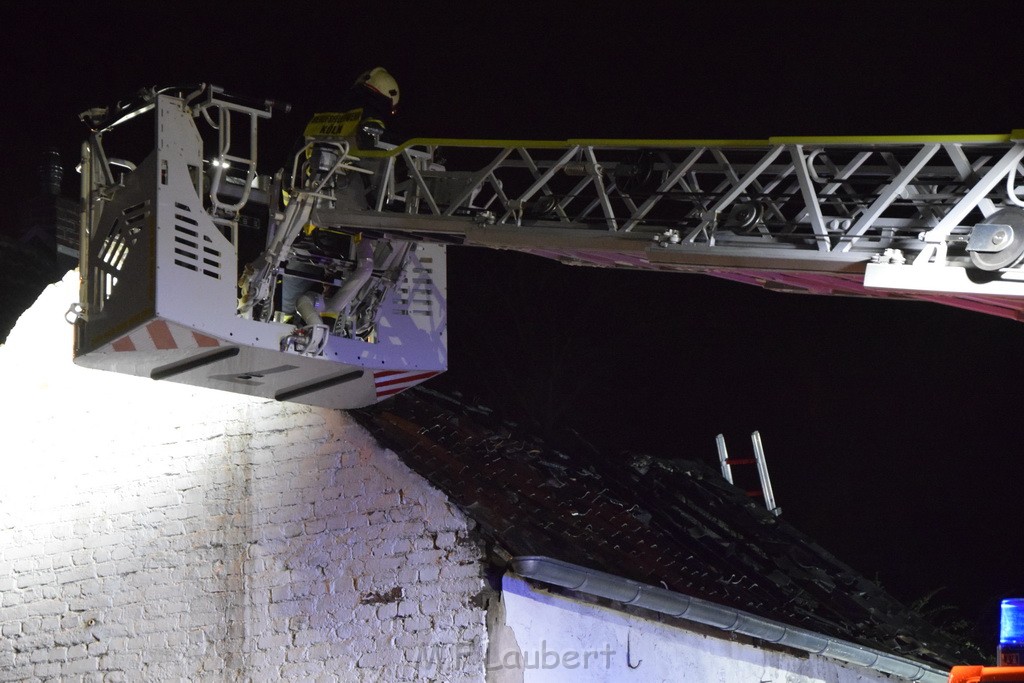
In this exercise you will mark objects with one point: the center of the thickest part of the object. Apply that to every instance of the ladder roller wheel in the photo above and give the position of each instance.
(1013, 220)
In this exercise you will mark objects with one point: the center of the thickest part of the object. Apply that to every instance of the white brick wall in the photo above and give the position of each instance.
(151, 531)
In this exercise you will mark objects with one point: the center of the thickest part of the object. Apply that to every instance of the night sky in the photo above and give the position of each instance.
(891, 428)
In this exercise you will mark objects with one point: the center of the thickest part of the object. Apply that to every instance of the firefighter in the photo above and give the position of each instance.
(375, 93)
(364, 112)
(360, 120)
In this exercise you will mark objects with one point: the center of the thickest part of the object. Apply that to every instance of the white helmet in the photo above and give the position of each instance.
(381, 81)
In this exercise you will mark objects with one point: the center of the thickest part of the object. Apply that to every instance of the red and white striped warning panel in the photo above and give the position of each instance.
(160, 335)
(390, 382)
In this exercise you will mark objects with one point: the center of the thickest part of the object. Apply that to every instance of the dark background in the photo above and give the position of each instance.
(891, 428)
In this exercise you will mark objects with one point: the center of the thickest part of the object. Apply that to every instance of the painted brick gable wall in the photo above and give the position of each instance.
(153, 531)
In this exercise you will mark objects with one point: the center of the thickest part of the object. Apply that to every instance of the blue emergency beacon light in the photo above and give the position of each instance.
(1010, 668)
(1011, 632)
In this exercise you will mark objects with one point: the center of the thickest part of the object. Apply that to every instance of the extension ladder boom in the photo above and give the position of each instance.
(325, 282)
(935, 218)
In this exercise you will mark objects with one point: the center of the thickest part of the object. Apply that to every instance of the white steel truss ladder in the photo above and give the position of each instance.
(934, 218)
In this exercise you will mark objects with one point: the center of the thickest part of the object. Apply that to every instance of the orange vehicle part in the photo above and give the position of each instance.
(984, 674)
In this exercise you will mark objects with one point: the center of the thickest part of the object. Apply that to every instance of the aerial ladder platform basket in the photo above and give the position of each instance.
(160, 265)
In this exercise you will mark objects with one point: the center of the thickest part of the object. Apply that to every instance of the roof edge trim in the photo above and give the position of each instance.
(626, 591)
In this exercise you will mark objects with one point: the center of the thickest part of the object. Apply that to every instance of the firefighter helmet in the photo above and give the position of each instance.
(379, 80)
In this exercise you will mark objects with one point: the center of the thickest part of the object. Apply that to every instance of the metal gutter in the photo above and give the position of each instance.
(628, 592)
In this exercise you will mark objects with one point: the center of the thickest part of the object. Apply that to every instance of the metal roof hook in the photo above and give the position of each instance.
(762, 469)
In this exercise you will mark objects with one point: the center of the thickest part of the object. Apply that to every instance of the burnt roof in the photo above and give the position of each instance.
(671, 523)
